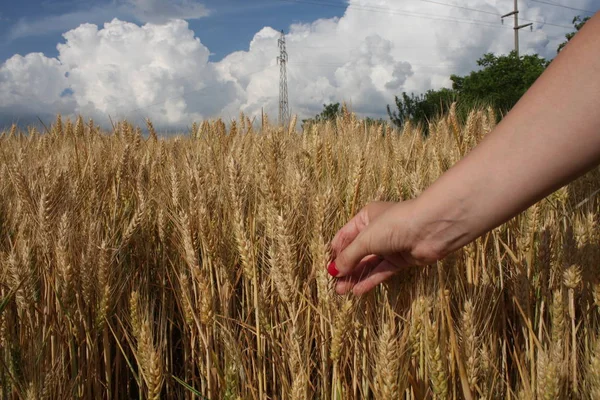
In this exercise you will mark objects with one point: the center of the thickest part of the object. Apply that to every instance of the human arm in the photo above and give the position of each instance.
(551, 137)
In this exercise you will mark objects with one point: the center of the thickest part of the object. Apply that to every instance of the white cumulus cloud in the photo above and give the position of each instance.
(376, 50)
(32, 85)
(124, 67)
(125, 70)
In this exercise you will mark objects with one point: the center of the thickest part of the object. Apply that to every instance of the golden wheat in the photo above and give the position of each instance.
(137, 266)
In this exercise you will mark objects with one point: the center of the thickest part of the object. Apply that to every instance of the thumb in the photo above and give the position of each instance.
(374, 239)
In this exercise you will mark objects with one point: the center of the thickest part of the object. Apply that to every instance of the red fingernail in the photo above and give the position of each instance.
(332, 269)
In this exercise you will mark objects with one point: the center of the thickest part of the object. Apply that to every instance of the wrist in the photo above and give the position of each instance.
(440, 227)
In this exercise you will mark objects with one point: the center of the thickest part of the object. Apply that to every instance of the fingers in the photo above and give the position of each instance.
(374, 239)
(363, 269)
(357, 224)
(365, 278)
(378, 275)
(371, 247)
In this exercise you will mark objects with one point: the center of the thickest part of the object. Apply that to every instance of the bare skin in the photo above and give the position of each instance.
(551, 137)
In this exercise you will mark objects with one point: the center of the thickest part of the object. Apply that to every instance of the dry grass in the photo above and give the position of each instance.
(135, 267)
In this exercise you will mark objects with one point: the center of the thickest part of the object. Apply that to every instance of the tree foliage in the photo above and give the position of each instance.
(330, 113)
(420, 109)
(501, 82)
(578, 23)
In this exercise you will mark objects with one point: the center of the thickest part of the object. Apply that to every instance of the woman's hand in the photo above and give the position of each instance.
(547, 140)
(380, 241)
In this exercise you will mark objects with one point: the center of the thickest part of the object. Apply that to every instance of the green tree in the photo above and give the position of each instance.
(578, 23)
(420, 109)
(405, 109)
(330, 113)
(501, 82)
(375, 121)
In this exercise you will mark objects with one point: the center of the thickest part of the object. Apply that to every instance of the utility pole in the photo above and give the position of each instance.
(517, 27)
(284, 109)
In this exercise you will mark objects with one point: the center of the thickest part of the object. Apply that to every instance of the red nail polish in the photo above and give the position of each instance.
(332, 269)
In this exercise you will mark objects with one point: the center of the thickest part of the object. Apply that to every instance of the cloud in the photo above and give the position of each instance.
(155, 11)
(128, 70)
(28, 27)
(376, 50)
(161, 11)
(32, 85)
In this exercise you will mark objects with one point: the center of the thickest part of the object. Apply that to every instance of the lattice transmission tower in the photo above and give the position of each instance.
(284, 108)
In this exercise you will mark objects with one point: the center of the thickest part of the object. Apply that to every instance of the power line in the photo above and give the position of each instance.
(460, 7)
(434, 17)
(393, 46)
(495, 13)
(384, 10)
(547, 23)
(517, 27)
(437, 3)
(563, 6)
(322, 64)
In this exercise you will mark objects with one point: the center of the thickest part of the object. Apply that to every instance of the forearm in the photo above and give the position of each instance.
(549, 138)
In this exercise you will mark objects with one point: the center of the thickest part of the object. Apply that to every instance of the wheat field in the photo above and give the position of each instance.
(194, 266)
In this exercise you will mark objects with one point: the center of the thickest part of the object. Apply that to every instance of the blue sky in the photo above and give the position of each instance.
(229, 26)
(179, 61)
